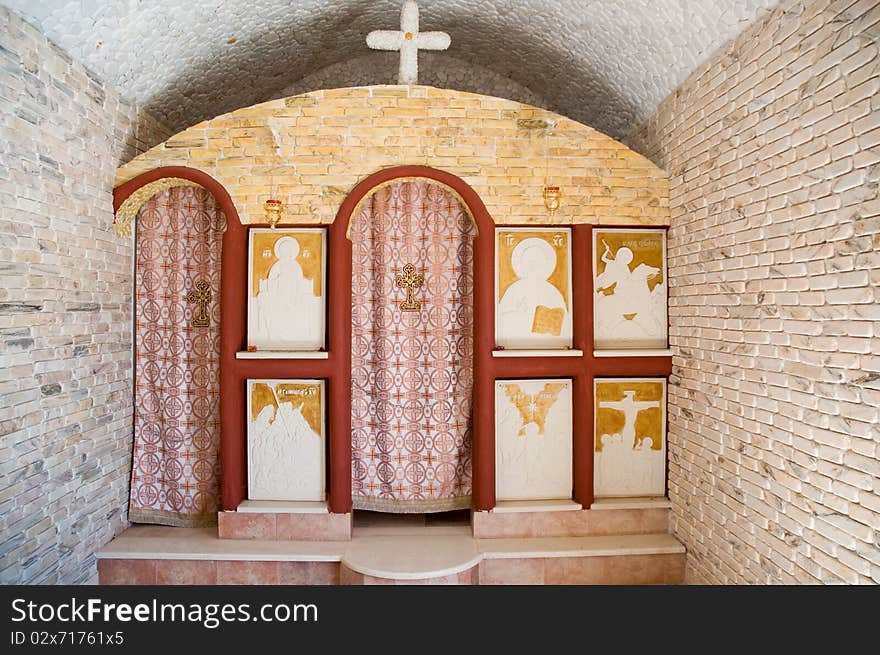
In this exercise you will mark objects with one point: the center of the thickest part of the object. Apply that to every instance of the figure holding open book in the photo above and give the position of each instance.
(532, 310)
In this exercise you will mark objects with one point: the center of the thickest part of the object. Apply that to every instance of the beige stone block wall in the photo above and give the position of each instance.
(65, 310)
(314, 148)
(773, 150)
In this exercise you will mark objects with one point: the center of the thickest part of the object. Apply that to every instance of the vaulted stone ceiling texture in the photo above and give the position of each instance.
(605, 63)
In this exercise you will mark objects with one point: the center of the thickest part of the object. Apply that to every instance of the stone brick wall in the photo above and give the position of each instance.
(773, 151)
(438, 69)
(316, 147)
(65, 310)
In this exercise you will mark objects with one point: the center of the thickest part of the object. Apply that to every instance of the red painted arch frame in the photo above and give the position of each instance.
(336, 369)
(233, 282)
(483, 306)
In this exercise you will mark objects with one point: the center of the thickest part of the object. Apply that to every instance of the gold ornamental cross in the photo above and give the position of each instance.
(201, 296)
(410, 281)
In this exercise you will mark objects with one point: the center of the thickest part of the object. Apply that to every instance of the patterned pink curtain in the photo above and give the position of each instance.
(175, 462)
(412, 369)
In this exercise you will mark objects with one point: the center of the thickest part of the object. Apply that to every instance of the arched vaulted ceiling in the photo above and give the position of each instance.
(605, 63)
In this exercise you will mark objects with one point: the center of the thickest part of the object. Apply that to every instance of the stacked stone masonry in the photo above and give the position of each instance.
(435, 69)
(311, 150)
(773, 151)
(65, 310)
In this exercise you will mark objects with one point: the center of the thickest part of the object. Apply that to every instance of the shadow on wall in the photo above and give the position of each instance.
(542, 66)
(143, 132)
(437, 69)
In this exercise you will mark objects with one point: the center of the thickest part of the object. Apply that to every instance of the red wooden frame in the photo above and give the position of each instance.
(336, 369)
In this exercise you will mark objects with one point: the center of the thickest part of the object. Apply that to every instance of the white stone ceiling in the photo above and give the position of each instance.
(606, 63)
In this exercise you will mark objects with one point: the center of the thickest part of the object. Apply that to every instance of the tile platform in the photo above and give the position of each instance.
(389, 554)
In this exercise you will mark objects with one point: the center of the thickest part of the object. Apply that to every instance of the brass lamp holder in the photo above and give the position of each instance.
(552, 193)
(552, 198)
(273, 208)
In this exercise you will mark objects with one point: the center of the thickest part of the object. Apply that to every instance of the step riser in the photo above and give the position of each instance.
(284, 526)
(349, 577)
(211, 572)
(486, 525)
(578, 523)
(661, 569)
(604, 570)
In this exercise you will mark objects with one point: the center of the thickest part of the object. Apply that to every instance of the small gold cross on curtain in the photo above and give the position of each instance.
(201, 296)
(410, 281)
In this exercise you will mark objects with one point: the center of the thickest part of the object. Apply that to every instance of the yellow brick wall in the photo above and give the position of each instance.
(315, 148)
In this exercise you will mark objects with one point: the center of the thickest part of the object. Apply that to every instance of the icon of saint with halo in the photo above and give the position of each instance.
(284, 311)
(532, 311)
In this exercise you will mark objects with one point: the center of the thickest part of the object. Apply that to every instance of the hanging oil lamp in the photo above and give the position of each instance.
(273, 208)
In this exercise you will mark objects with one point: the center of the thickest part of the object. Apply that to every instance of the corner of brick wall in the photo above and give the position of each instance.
(773, 151)
(65, 310)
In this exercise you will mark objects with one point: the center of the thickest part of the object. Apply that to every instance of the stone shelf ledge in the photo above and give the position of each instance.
(648, 352)
(599, 546)
(283, 507)
(152, 542)
(646, 502)
(282, 354)
(507, 506)
(537, 353)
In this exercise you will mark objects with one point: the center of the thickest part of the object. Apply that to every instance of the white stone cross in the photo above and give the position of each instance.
(409, 41)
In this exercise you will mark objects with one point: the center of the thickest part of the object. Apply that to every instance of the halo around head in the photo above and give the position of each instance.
(624, 255)
(533, 258)
(286, 248)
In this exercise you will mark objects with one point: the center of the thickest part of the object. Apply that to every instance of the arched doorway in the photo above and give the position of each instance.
(411, 467)
(412, 348)
(179, 226)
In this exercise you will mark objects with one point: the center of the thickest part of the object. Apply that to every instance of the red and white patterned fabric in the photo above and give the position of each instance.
(412, 371)
(175, 461)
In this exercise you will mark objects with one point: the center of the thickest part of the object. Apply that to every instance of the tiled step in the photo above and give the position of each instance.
(637, 559)
(146, 555)
(216, 572)
(284, 521)
(469, 576)
(610, 516)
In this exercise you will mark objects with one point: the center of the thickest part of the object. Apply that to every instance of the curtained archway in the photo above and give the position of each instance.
(175, 463)
(412, 348)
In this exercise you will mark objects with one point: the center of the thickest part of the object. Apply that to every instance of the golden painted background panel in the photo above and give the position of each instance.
(647, 248)
(262, 396)
(310, 256)
(533, 408)
(649, 422)
(306, 396)
(507, 240)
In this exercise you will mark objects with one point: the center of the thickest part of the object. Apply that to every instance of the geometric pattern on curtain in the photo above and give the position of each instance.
(412, 371)
(175, 458)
